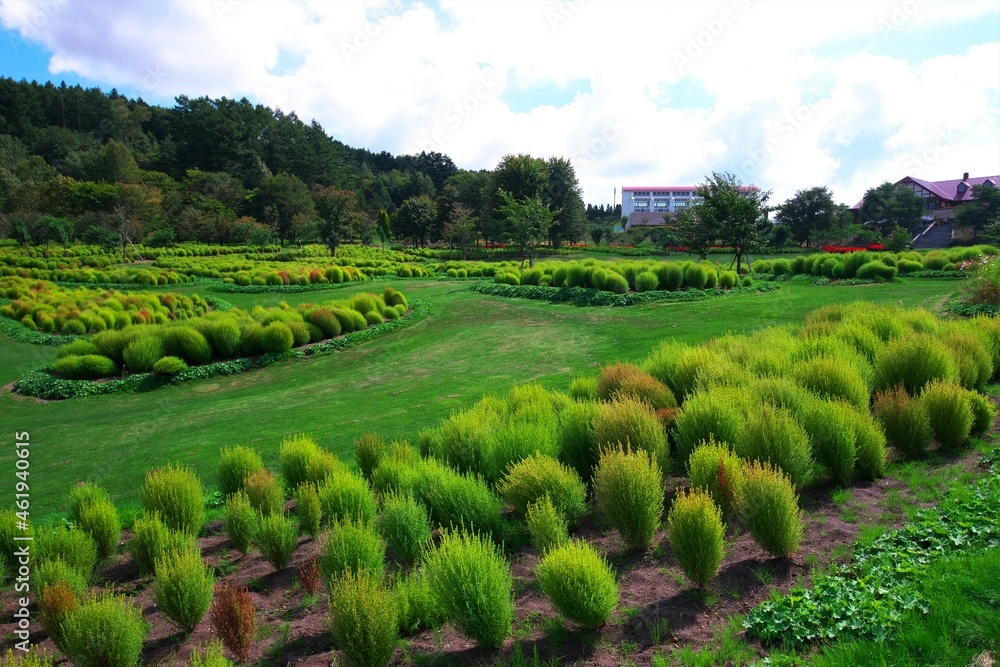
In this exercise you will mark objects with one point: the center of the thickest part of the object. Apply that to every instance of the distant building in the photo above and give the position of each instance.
(942, 197)
(646, 206)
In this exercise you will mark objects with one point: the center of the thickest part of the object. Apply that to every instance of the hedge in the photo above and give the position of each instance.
(40, 384)
(581, 296)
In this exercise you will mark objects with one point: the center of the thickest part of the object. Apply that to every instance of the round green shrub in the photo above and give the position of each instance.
(142, 353)
(718, 413)
(364, 620)
(984, 413)
(715, 468)
(465, 500)
(77, 348)
(696, 533)
(913, 361)
(673, 276)
(695, 276)
(774, 435)
(241, 521)
(345, 495)
(876, 270)
(369, 450)
(74, 327)
(972, 358)
(183, 587)
(235, 463)
(277, 538)
(72, 546)
(106, 631)
(728, 279)
(100, 521)
(187, 343)
(628, 380)
(350, 320)
(300, 333)
(224, 337)
(830, 426)
(276, 338)
(546, 525)
(86, 367)
(646, 281)
(351, 546)
(950, 412)
(870, 446)
(615, 282)
(265, 492)
(905, 421)
(831, 378)
(55, 570)
(770, 510)
(308, 509)
(471, 581)
(302, 460)
(627, 421)
(405, 525)
(579, 582)
(537, 476)
(628, 487)
(169, 366)
(175, 494)
(583, 388)
(418, 610)
(576, 438)
(325, 320)
(152, 539)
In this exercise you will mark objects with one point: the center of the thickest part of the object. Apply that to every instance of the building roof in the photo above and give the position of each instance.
(661, 188)
(947, 190)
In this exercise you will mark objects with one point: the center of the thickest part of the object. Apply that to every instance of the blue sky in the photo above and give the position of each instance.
(785, 95)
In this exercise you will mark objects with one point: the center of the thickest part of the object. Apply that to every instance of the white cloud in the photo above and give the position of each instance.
(799, 94)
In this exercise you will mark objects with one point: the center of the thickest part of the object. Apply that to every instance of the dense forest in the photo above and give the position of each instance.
(80, 164)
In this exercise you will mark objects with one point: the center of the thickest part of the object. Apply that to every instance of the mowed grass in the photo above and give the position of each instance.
(470, 345)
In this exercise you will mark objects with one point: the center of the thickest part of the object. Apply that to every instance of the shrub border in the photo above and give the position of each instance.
(40, 384)
(582, 296)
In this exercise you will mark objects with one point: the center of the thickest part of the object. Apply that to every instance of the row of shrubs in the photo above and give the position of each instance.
(170, 348)
(42, 306)
(621, 277)
(877, 266)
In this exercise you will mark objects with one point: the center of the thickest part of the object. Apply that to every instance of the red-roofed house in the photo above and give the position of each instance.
(941, 197)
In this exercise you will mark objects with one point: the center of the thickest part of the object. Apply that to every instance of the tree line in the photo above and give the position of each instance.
(80, 164)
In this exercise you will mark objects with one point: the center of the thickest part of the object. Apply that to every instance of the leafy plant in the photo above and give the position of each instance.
(628, 487)
(345, 495)
(234, 618)
(351, 546)
(771, 510)
(241, 521)
(73, 546)
(905, 421)
(696, 535)
(235, 463)
(175, 494)
(949, 411)
(183, 587)
(579, 582)
(277, 538)
(536, 476)
(718, 470)
(152, 540)
(472, 583)
(264, 491)
(546, 525)
(308, 509)
(405, 525)
(363, 619)
(106, 631)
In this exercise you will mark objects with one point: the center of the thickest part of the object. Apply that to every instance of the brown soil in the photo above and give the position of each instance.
(655, 599)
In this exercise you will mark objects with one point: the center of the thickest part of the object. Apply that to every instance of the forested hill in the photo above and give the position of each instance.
(67, 125)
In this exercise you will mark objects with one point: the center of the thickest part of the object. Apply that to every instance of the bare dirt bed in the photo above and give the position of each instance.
(659, 610)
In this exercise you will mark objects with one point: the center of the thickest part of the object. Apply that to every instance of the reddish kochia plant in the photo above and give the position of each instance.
(667, 417)
(309, 576)
(235, 619)
(56, 602)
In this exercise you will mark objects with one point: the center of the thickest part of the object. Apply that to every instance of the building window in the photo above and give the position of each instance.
(642, 205)
(640, 194)
(931, 205)
(678, 205)
(660, 205)
(962, 187)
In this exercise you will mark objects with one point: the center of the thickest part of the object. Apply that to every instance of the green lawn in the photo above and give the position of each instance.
(469, 345)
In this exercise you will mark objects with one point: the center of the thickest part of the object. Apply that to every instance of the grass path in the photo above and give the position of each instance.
(395, 386)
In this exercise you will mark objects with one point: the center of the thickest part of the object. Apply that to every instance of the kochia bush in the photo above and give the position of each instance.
(363, 619)
(579, 582)
(235, 463)
(949, 411)
(537, 476)
(106, 631)
(696, 535)
(718, 470)
(628, 487)
(905, 421)
(771, 510)
(472, 583)
(183, 587)
(175, 494)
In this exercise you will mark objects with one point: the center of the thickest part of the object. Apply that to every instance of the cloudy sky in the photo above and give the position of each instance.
(787, 95)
